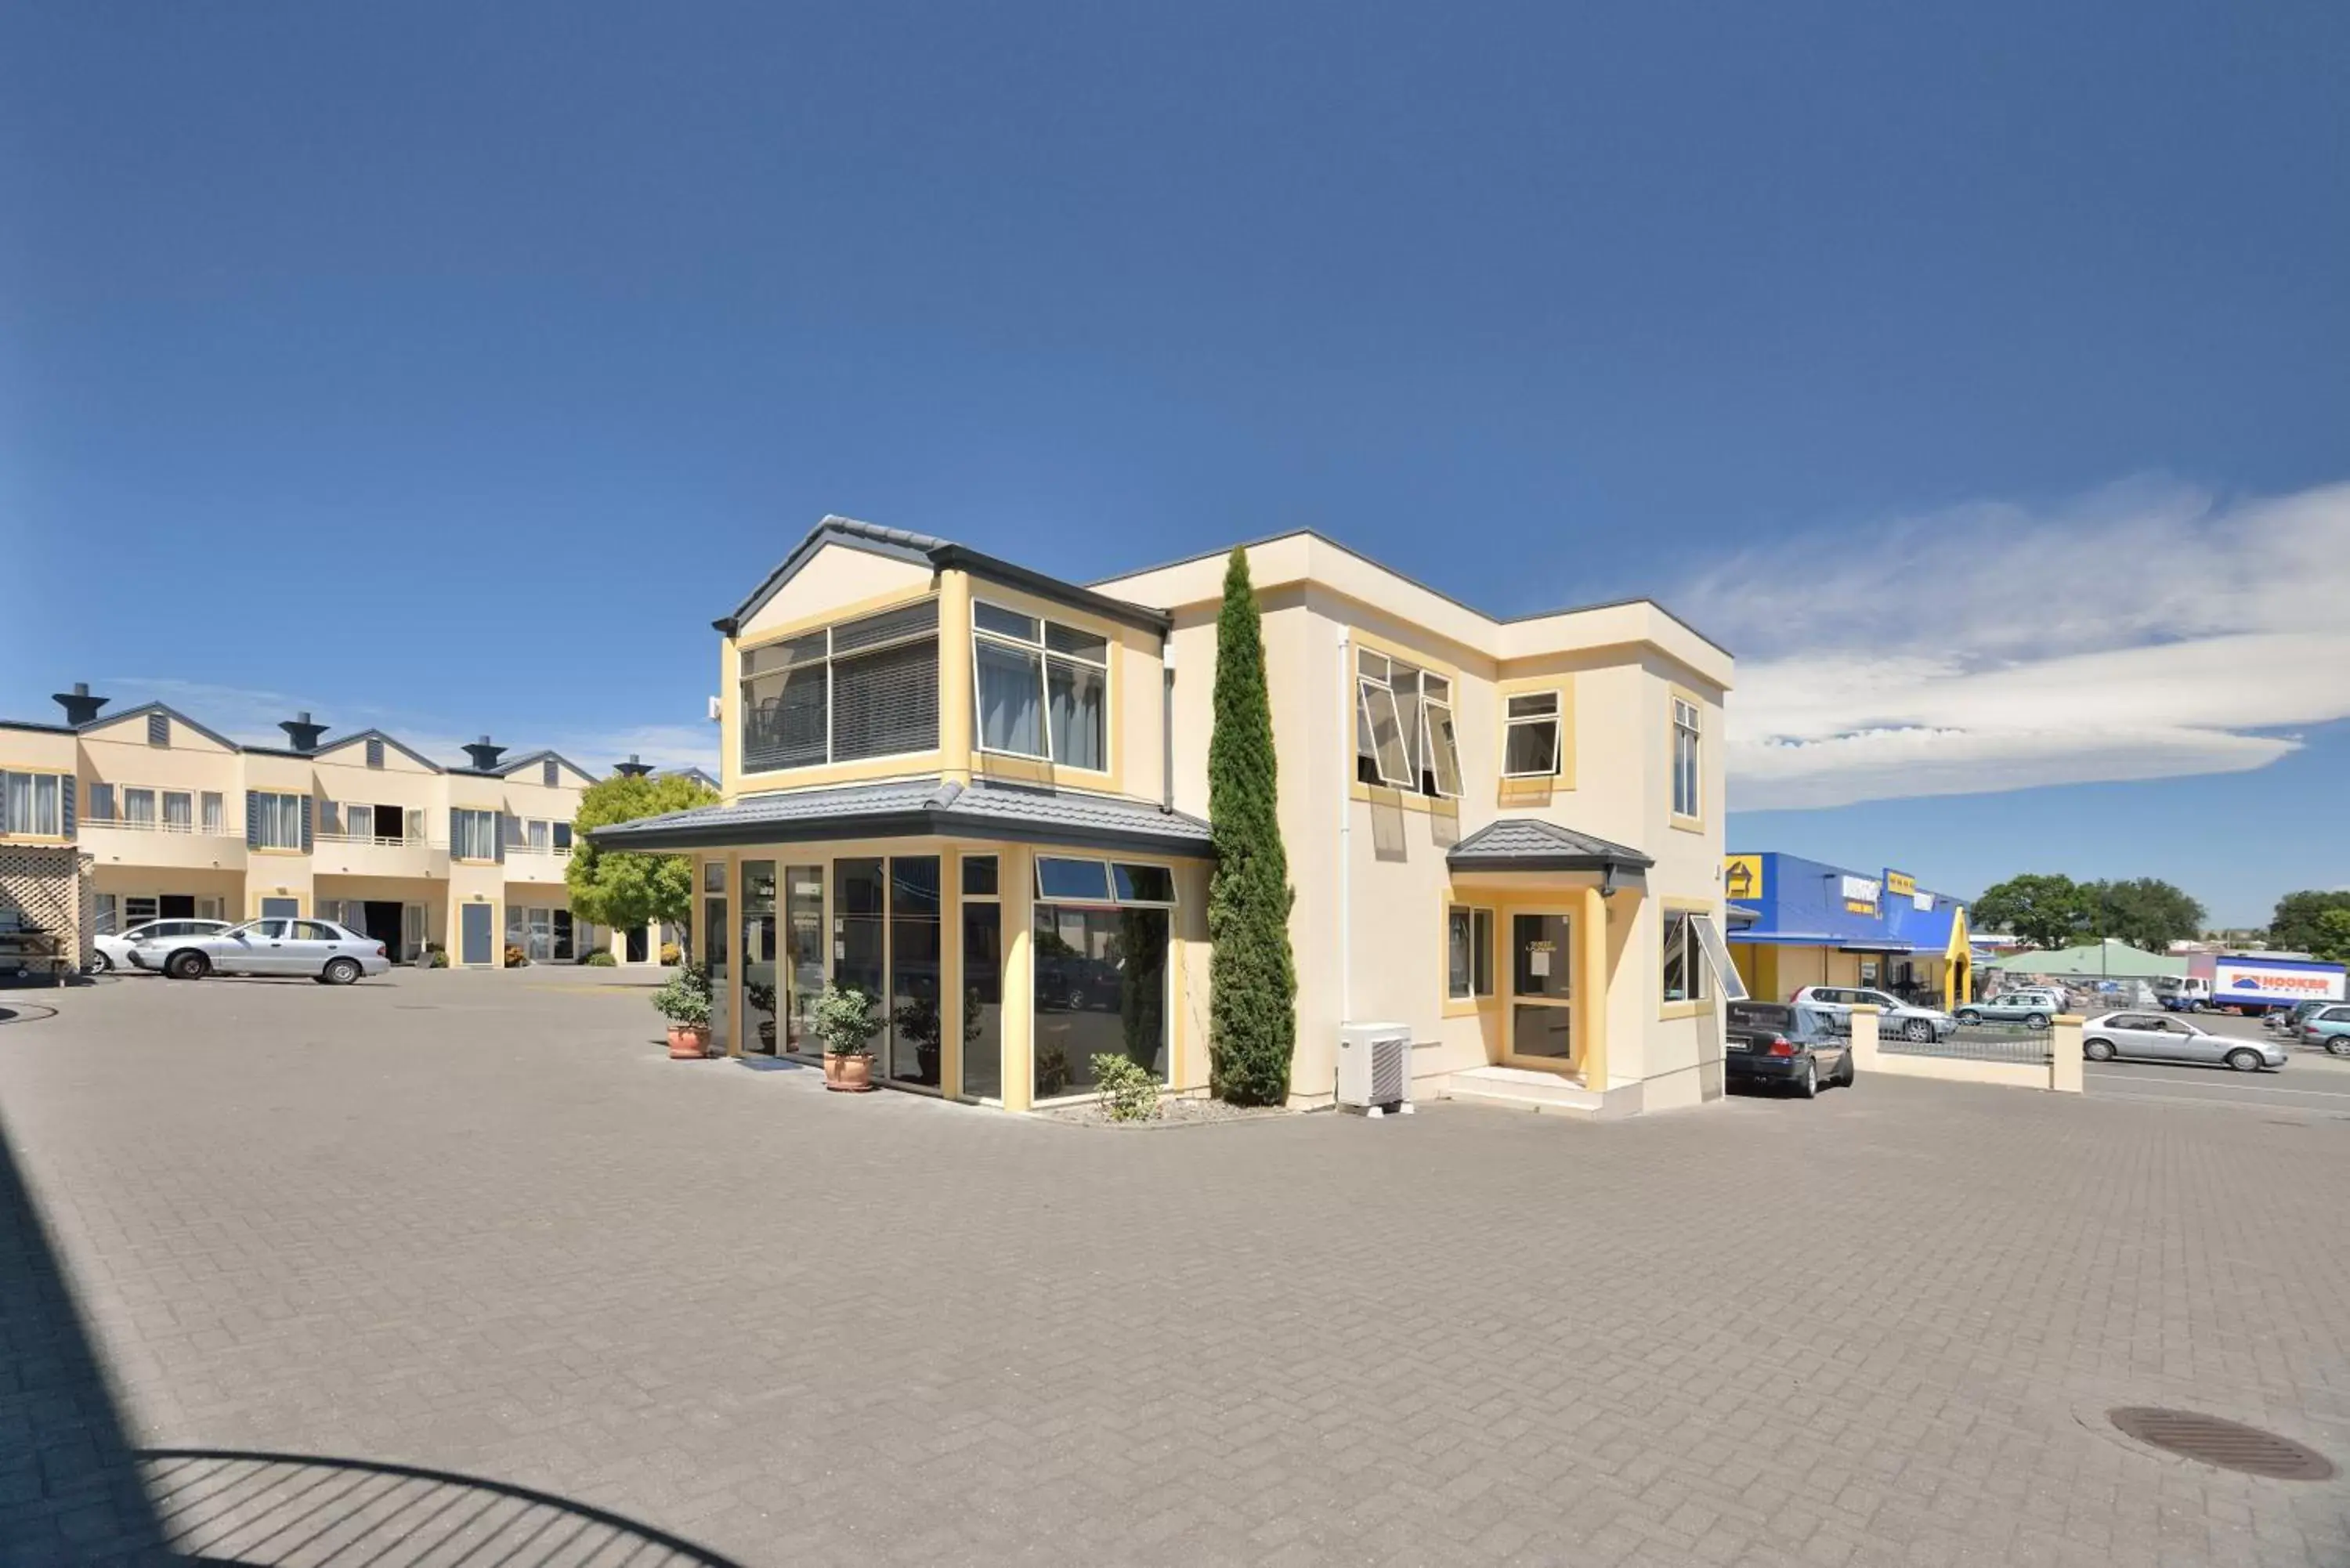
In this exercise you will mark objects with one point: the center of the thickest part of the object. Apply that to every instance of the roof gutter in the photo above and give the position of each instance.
(922, 821)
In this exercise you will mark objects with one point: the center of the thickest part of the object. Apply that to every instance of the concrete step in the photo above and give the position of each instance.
(1524, 1088)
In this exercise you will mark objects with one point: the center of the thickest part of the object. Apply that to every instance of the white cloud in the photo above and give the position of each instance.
(2145, 633)
(250, 714)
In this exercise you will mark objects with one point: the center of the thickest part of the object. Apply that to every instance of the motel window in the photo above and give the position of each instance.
(32, 804)
(473, 834)
(1100, 934)
(982, 979)
(101, 802)
(1686, 740)
(1469, 953)
(1405, 737)
(210, 805)
(866, 687)
(139, 807)
(1531, 735)
(1684, 969)
(1042, 688)
(179, 811)
(276, 819)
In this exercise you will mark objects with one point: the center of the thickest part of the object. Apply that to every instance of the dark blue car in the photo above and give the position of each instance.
(1786, 1045)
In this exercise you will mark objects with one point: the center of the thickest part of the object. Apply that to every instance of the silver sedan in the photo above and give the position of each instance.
(2169, 1037)
(316, 950)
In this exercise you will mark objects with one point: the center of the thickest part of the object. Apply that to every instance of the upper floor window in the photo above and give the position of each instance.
(101, 801)
(866, 687)
(1686, 740)
(277, 818)
(1531, 735)
(1042, 688)
(32, 804)
(1404, 732)
(473, 834)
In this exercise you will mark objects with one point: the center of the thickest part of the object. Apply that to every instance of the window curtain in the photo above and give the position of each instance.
(20, 803)
(1076, 697)
(178, 812)
(1011, 699)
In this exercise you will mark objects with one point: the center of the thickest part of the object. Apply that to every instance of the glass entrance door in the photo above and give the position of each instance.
(1542, 991)
(759, 1002)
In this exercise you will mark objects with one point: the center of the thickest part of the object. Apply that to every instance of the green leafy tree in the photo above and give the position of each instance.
(2333, 939)
(2299, 922)
(2046, 910)
(1251, 975)
(2145, 911)
(624, 888)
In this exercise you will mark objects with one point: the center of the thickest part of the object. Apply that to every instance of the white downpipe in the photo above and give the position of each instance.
(1346, 848)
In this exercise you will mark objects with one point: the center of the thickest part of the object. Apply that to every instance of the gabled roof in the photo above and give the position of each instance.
(939, 555)
(402, 747)
(918, 807)
(1532, 844)
(209, 733)
(530, 759)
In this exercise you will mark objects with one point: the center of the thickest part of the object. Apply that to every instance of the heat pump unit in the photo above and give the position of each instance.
(1375, 1068)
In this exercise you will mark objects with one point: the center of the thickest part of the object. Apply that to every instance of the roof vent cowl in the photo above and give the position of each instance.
(484, 755)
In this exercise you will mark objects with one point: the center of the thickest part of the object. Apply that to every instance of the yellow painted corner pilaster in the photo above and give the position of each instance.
(1591, 989)
(955, 721)
(950, 982)
(1018, 881)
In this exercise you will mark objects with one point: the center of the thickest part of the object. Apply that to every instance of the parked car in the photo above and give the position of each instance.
(1786, 1045)
(2169, 1037)
(2030, 1008)
(1898, 1020)
(113, 949)
(2291, 1023)
(320, 950)
(2330, 1027)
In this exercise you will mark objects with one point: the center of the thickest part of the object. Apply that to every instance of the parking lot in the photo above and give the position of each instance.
(476, 1225)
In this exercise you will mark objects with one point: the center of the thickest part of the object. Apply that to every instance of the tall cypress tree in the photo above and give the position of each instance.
(1251, 977)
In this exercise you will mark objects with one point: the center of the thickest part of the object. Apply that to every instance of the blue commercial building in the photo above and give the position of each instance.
(1797, 923)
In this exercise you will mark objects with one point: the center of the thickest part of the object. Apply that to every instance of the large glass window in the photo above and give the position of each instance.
(859, 908)
(983, 983)
(717, 960)
(138, 810)
(1100, 990)
(1042, 688)
(804, 936)
(865, 688)
(759, 1003)
(473, 834)
(916, 1025)
(1530, 735)
(1686, 739)
(278, 819)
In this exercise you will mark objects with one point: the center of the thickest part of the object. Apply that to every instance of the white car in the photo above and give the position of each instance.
(2153, 1035)
(318, 950)
(114, 950)
(1898, 1020)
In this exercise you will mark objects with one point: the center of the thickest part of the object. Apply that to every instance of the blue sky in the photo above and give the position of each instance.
(1980, 374)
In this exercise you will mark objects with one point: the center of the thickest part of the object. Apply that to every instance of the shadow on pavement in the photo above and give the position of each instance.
(70, 1491)
(227, 1509)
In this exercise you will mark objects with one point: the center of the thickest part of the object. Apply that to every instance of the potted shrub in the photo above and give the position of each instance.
(761, 999)
(684, 1000)
(845, 1021)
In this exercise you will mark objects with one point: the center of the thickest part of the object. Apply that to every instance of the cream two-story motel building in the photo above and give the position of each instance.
(171, 819)
(980, 795)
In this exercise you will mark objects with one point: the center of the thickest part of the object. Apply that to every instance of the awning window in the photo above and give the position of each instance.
(1717, 958)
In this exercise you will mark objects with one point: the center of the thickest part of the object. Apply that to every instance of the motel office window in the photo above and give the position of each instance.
(1405, 737)
(1100, 936)
(1042, 688)
(1469, 953)
(867, 688)
(278, 818)
(1686, 740)
(473, 834)
(1684, 972)
(32, 804)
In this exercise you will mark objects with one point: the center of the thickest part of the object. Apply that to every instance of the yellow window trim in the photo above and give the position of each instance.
(856, 609)
(1536, 784)
(1469, 1006)
(1671, 1010)
(864, 770)
(1410, 800)
(1017, 765)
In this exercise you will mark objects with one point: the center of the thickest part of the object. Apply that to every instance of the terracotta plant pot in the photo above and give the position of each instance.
(688, 1042)
(849, 1074)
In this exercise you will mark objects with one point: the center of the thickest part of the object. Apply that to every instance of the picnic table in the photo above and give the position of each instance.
(23, 949)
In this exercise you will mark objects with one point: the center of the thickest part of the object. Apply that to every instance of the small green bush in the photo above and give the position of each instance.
(602, 958)
(684, 997)
(843, 1019)
(1129, 1092)
(435, 956)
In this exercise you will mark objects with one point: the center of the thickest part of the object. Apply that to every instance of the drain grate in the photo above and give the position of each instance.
(2230, 1445)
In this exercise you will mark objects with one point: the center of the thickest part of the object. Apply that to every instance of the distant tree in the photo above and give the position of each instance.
(2296, 926)
(1252, 974)
(2048, 911)
(2332, 936)
(626, 889)
(2145, 911)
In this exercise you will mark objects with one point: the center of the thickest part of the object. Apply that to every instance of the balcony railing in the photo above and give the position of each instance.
(515, 849)
(381, 840)
(151, 825)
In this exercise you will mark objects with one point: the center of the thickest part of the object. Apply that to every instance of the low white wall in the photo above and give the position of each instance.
(2062, 1074)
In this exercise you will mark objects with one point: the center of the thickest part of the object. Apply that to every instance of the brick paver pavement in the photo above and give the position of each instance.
(475, 1223)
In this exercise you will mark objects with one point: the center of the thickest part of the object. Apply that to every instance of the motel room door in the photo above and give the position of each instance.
(474, 923)
(1542, 991)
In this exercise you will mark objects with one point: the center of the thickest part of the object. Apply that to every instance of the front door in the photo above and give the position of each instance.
(1541, 991)
(475, 927)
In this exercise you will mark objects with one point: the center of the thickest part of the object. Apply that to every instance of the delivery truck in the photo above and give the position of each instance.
(2250, 983)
